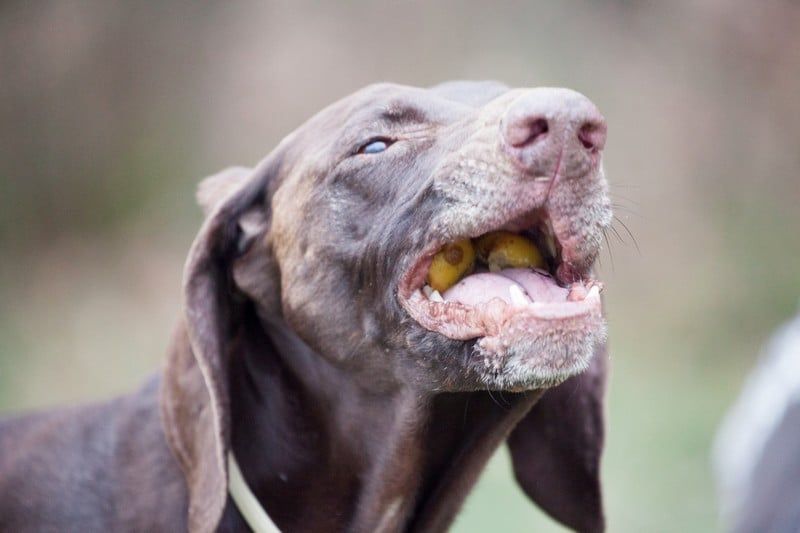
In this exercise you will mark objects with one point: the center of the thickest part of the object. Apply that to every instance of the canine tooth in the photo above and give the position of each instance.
(599, 286)
(593, 292)
(427, 290)
(436, 297)
(517, 296)
(551, 244)
(577, 293)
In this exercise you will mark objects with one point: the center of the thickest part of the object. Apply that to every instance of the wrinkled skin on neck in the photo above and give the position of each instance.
(323, 453)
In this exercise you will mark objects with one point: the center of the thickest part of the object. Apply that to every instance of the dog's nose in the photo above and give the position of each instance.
(542, 125)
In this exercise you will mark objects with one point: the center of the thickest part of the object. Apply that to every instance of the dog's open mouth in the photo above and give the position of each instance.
(501, 283)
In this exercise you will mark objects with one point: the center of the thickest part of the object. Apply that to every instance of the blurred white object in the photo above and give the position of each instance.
(756, 453)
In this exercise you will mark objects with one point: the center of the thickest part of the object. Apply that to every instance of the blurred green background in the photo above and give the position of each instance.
(111, 112)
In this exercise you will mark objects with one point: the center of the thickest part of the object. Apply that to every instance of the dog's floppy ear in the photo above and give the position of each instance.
(195, 400)
(214, 190)
(556, 449)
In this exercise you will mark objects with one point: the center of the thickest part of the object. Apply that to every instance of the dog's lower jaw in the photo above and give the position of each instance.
(541, 361)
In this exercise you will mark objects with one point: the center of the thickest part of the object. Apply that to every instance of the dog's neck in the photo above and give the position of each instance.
(322, 452)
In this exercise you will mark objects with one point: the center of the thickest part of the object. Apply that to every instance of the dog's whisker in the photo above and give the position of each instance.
(628, 231)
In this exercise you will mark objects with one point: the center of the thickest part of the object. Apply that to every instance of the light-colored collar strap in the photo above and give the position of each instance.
(255, 515)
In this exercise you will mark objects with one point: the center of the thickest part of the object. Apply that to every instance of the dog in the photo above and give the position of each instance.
(311, 350)
(755, 449)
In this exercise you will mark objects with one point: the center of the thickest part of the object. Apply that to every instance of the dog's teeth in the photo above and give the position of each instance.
(551, 244)
(436, 297)
(548, 225)
(518, 298)
(427, 290)
(594, 292)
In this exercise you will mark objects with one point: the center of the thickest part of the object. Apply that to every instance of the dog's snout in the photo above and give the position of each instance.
(543, 124)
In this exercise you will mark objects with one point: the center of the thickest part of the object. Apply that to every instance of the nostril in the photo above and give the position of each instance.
(538, 128)
(527, 132)
(592, 136)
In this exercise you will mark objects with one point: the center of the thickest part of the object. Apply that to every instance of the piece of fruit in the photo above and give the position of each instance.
(450, 264)
(503, 249)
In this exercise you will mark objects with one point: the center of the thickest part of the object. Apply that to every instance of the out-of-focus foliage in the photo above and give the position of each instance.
(111, 111)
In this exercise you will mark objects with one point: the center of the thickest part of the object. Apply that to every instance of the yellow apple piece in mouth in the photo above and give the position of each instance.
(503, 249)
(450, 264)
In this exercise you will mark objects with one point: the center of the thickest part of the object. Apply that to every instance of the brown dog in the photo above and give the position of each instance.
(355, 399)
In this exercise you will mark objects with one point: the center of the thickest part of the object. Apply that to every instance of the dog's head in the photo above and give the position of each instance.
(335, 232)
(358, 200)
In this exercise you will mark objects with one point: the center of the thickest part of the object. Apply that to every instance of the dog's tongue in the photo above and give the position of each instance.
(516, 286)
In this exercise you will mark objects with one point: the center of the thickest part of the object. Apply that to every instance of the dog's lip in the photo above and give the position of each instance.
(461, 321)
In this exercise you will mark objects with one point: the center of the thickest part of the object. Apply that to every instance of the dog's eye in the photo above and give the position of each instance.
(375, 146)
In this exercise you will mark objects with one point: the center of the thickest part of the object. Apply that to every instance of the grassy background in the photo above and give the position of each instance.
(110, 112)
